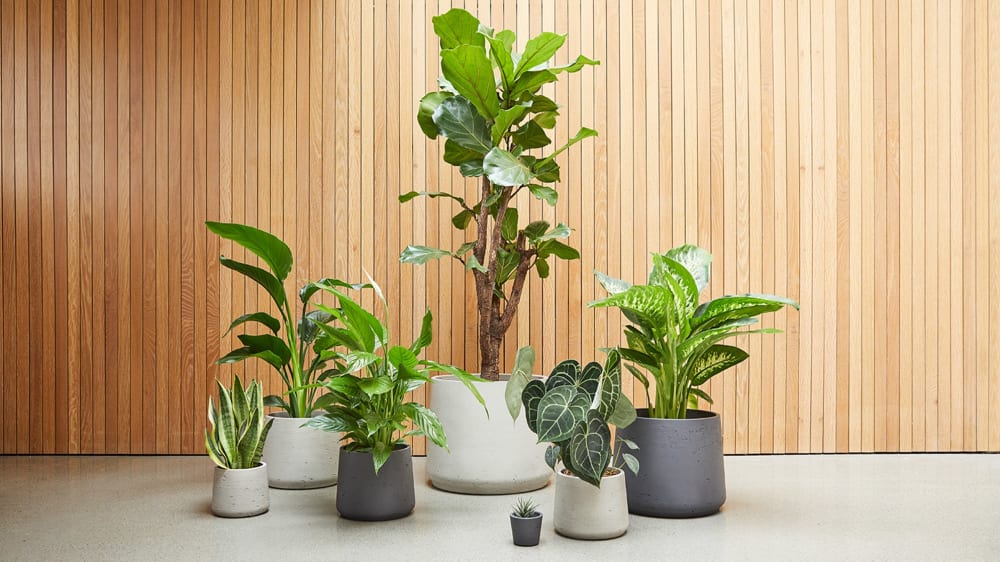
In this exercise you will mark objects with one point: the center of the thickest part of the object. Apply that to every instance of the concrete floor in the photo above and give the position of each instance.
(846, 507)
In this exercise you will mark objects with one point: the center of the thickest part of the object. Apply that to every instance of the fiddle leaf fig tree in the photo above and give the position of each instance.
(492, 115)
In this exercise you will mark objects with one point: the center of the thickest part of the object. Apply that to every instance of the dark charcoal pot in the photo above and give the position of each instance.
(681, 472)
(526, 530)
(365, 496)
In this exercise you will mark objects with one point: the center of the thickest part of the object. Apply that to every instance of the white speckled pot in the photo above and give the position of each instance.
(240, 492)
(300, 458)
(487, 455)
(584, 511)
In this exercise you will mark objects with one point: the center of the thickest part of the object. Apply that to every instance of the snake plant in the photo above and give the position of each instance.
(239, 426)
(573, 409)
(675, 339)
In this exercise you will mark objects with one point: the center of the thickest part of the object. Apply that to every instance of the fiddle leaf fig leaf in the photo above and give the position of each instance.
(422, 254)
(505, 119)
(583, 133)
(574, 66)
(503, 168)
(539, 50)
(546, 194)
(456, 154)
(425, 113)
(458, 120)
(471, 73)
(530, 82)
(531, 136)
(509, 227)
(457, 27)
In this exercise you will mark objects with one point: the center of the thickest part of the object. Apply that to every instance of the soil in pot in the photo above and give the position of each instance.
(365, 496)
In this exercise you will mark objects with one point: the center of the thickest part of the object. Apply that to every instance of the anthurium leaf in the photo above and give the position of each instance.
(552, 455)
(539, 50)
(264, 318)
(530, 397)
(574, 66)
(559, 411)
(530, 82)
(505, 119)
(520, 376)
(503, 168)
(470, 72)
(456, 154)
(565, 373)
(590, 448)
(422, 254)
(697, 261)
(268, 247)
(531, 135)
(546, 194)
(631, 462)
(425, 112)
(458, 120)
(624, 413)
(457, 27)
(610, 384)
(714, 360)
(262, 277)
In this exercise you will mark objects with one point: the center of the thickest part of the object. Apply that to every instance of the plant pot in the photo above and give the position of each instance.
(300, 458)
(364, 496)
(584, 511)
(681, 466)
(240, 492)
(526, 530)
(487, 455)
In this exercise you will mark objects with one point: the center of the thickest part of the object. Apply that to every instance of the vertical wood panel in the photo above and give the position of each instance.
(840, 152)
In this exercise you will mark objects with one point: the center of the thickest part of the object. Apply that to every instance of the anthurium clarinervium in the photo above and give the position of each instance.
(491, 111)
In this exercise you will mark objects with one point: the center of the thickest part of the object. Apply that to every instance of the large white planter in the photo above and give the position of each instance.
(240, 492)
(492, 455)
(300, 458)
(584, 511)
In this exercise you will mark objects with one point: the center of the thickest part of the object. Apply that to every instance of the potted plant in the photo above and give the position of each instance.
(235, 443)
(367, 403)
(572, 411)
(298, 457)
(525, 522)
(490, 110)
(675, 341)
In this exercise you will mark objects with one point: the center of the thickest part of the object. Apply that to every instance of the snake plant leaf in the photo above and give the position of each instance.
(520, 376)
(506, 118)
(270, 283)
(624, 413)
(503, 168)
(559, 411)
(697, 261)
(226, 430)
(611, 285)
(610, 384)
(241, 409)
(538, 51)
(457, 27)
(552, 455)
(425, 112)
(716, 359)
(267, 246)
(248, 440)
(567, 372)
(426, 333)
(470, 72)
(270, 322)
(458, 120)
(590, 448)
(259, 451)
(427, 421)
(214, 452)
(530, 398)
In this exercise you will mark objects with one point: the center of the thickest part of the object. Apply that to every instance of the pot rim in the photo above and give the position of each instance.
(537, 515)
(259, 466)
(708, 414)
(396, 448)
(504, 377)
(280, 414)
(619, 473)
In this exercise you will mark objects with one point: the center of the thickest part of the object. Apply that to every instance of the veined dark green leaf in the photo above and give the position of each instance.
(559, 411)
(552, 455)
(542, 265)
(624, 413)
(538, 51)
(540, 104)
(716, 359)
(590, 448)
(565, 373)
(458, 120)
(264, 318)
(530, 135)
(546, 172)
(425, 112)
(546, 194)
(457, 27)
(471, 169)
(267, 342)
(422, 254)
(427, 421)
(530, 398)
(263, 278)
(610, 384)
(267, 246)
(470, 72)
(558, 249)
(503, 168)
(546, 119)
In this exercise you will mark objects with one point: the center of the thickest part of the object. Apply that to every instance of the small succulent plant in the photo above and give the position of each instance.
(525, 507)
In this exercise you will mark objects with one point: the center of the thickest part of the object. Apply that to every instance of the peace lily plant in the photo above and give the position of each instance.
(491, 111)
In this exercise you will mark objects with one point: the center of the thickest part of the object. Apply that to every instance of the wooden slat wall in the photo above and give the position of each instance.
(842, 152)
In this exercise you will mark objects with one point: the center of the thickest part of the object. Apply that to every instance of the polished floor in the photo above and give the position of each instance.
(844, 507)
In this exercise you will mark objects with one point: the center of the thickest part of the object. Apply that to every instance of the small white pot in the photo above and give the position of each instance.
(584, 511)
(487, 455)
(240, 492)
(300, 458)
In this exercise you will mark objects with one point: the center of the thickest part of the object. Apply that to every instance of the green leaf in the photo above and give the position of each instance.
(672, 275)
(500, 46)
(264, 318)
(473, 263)
(552, 455)
(583, 133)
(651, 305)
(268, 247)
(541, 104)
(530, 398)
(503, 168)
(558, 249)
(574, 66)
(427, 421)
(402, 358)
(243, 353)
(559, 231)
(590, 448)
(270, 283)
(226, 430)
(507, 261)
(462, 376)
(543, 267)
(546, 172)
(727, 308)
(462, 220)
(624, 413)
(456, 155)
(425, 112)
(380, 454)
(267, 342)
(457, 27)
(559, 411)
(535, 229)
(520, 376)
(546, 194)
(422, 254)
(610, 384)
(539, 50)
(308, 329)
(458, 120)
(547, 119)
(716, 359)
(530, 82)
(433, 195)
(611, 285)
(531, 135)
(696, 260)
(333, 424)
(569, 373)
(373, 386)
(505, 119)
(471, 169)
(470, 72)
(631, 462)
(701, 394)
(508, 228)
(426, 333)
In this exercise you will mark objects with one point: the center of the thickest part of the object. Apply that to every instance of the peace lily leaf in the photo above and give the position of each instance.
(425, 113)
(471, 73)
(458, 120)
(426, 333)
(427, 421)
(503, 168)
(457, 27)
(267, 246)
(539, 50)
(546, 194)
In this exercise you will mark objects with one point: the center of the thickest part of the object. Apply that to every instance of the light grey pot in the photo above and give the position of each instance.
(584, 511)
(681, 466)
(300, 458)
(365, 496)
(240, 492)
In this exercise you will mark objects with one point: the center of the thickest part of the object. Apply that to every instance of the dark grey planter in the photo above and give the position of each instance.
(681, 472)
(364, 496)
(526, 530)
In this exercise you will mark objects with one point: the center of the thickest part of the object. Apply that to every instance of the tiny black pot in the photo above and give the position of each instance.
(526, 530)
(365, 496)
(681, 466)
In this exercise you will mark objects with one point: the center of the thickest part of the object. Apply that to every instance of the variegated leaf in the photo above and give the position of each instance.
(559, 411)
(590, 448)
(716, 359)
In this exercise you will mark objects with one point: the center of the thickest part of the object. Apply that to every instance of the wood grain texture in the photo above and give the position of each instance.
(840, 152)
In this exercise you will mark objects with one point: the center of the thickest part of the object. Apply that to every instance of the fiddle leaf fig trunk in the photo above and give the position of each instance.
(492, 115)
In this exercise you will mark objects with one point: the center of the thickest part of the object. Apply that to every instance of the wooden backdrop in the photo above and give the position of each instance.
(845, 153)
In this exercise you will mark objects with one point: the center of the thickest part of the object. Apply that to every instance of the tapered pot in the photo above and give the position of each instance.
(240, 492)
(526, 530)
(300, 458)
(366, 496)
(487, 455)
(681, 466)
(584, 511)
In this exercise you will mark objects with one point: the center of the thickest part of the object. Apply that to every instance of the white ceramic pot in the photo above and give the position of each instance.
(584, 511)
(487, 455)
(300, 458)
(240, 492)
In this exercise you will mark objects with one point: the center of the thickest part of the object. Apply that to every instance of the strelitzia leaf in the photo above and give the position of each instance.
(267, 246)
